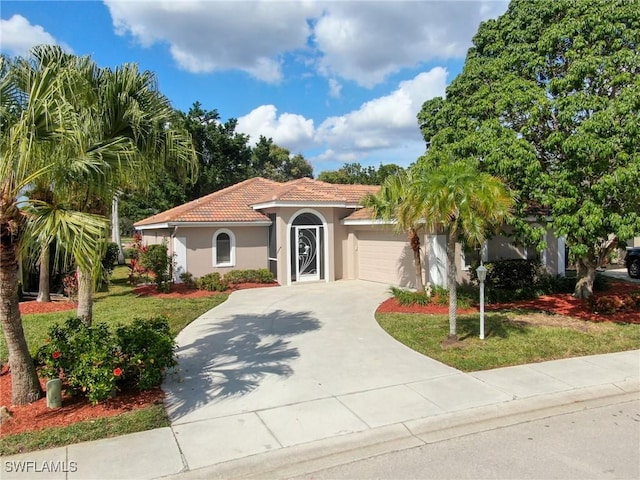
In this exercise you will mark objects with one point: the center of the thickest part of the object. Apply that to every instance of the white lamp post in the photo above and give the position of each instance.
(482, 276)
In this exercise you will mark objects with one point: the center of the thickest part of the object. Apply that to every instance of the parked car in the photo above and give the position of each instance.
(632, 262)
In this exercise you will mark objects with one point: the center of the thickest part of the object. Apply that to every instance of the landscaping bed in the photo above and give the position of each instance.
(556, 304)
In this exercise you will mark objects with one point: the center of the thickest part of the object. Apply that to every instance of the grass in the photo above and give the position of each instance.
(118, 305)
(507, 341)
(135, 421)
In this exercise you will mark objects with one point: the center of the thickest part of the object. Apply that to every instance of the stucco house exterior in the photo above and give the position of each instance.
(307, 230)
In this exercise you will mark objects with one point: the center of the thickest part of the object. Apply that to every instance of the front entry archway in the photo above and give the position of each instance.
(307, 247)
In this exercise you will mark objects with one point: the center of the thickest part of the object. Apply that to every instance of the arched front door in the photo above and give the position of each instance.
(307, 248)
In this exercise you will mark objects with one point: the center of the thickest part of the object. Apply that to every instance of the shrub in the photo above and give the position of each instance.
(94, 361)
(110, 258)
(70, 285)
(146, 347)
(212, 282)
(187, 279)
(260, 275)
(408, 297)
(510, 274)
(85, 357)
(610, 304)
(156, 259)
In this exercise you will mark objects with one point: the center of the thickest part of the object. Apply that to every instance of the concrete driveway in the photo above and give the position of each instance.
(280, 366)
(305, 371)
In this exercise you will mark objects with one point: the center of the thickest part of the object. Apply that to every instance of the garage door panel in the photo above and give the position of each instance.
(385, 257)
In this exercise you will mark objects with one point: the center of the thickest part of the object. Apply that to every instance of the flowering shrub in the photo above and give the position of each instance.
(138, 272)
(147, 348)
(70, 285)
(84, 357)
(96, 361)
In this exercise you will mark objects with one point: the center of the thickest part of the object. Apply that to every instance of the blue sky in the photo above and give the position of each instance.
(338, 81)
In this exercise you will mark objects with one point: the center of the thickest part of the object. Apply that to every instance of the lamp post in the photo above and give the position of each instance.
(481, 271)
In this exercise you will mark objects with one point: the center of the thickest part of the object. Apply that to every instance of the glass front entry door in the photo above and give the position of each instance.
(308, 258)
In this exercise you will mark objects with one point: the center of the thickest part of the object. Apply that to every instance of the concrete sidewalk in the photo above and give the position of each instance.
(280, 382)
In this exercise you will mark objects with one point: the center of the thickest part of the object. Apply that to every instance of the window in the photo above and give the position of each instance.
(224, 248)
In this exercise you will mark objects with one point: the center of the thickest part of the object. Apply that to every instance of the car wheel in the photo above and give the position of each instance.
(634, 269)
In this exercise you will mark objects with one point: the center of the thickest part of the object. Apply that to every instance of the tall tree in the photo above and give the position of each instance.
(131, 133)
(548, 100)
(224, 155)
(271, 161)
(38, 140)
(466, 204)
(354, 173)
(399, 202)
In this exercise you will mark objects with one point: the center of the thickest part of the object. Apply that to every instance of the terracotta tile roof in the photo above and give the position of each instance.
(234, 204)
(361, 214)
(231, 204)
(309, 190)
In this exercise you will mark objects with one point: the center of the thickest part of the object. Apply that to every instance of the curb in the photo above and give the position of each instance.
(322, 454)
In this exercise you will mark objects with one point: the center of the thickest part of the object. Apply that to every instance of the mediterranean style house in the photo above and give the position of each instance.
(308, 230)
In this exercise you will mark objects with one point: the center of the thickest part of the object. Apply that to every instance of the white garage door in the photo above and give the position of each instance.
(386, 258)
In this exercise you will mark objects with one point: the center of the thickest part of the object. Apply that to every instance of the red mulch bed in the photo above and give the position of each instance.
(559, 304)
(37, 416)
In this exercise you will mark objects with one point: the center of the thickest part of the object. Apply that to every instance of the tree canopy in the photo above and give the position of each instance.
(548, 100)
(354, 173)
(225, 157)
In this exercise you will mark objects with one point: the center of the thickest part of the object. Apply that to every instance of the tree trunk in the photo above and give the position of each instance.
(25, 386)
(453, 286)
(586, 275)
(414, 240)
(115, 228)
(44, 293)
(85, 296)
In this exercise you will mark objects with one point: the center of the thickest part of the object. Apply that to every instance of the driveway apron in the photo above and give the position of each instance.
(276, 367)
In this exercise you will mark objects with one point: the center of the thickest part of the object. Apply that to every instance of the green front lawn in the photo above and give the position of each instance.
(511, 338)
(120, 305)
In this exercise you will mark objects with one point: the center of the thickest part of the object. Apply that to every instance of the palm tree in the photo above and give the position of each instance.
(37, 136)
(128, 135)
(467, 205)
(85, 131)
(396, 202)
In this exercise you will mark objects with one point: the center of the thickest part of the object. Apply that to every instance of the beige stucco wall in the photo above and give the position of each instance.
(154, 237)
(251, 247)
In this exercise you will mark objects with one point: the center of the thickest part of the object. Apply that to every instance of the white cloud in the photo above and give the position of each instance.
(363, 41)
(209, 36)
(19, 36)
(386, 122)
(367, 41)
(288, 130)
(383, 129)
(335, 88)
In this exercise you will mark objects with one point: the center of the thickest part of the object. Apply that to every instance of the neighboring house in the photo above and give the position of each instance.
(305, 230)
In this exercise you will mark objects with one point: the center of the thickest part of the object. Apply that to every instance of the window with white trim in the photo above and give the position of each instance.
(224, 248)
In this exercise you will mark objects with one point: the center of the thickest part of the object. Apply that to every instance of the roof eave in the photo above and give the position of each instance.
(367, 221)
(158, 226)
(302, 204)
